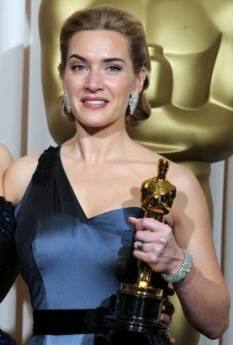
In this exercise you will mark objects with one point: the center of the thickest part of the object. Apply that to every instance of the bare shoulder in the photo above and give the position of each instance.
(18, 177)
(190, 200)
(184, 180)
(182, 177)
(5, 158)
(188, 187)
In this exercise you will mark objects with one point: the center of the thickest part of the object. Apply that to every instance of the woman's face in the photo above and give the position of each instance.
(99, 77)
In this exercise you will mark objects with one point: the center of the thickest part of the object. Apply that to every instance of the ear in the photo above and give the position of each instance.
(63, 83)
(139, 81)
(61, 74)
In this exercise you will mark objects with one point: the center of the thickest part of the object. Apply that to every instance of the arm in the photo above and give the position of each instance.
(9, 265)
(15, 183)
(5, 162)
(203, 294)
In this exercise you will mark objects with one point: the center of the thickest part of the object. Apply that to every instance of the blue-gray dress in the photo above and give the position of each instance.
(68, 261)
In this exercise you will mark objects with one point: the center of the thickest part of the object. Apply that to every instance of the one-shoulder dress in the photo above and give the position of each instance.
(69, 261)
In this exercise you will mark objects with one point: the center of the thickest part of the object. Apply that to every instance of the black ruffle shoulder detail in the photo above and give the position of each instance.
(46, 161)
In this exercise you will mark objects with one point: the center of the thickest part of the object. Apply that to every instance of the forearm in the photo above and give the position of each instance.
(205, 304)
(202, 293)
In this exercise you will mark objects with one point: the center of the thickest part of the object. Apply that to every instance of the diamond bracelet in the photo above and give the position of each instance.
(183, 271)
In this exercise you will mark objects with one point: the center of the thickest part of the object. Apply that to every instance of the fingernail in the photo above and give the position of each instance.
(131, 218)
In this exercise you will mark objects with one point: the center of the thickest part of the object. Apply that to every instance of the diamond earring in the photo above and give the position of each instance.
(67, 102)
(133, 102)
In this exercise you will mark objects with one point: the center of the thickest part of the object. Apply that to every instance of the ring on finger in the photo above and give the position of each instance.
(139, 246)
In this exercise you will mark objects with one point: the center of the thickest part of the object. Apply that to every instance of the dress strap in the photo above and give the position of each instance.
(46, 162)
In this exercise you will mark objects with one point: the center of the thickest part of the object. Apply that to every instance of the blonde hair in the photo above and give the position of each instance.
(106, 17)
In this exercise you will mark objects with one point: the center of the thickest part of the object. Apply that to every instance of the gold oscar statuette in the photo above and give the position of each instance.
(139, 305)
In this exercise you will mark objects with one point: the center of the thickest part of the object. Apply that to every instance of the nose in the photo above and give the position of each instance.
(94, 81)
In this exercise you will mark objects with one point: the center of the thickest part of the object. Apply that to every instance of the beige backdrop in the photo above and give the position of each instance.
(24, 130)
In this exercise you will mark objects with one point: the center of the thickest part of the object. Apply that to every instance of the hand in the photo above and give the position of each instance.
(160, 250)
(166, 318)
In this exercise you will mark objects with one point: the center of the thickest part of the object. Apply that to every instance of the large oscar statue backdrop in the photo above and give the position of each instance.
(190, 93)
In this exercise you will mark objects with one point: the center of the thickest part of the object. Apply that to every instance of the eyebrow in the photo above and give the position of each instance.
(113, 59)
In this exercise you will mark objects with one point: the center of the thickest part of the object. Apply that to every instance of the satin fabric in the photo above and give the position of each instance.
(69, 261)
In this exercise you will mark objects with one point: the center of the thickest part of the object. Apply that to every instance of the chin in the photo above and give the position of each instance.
(96, 121)
(94, 125)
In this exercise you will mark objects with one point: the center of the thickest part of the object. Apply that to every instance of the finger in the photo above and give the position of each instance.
(148, 257)
(139, 246)
(133, 220)
(149, 225)
(168, 308)
(151, 259)
(152, 224)
(172, 340)
(151, 236)
(152, 248)
(165, 318)
(137, 222)
(144, 223)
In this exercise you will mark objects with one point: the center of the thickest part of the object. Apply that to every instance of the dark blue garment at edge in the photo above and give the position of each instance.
(5, 339)
(69, 261)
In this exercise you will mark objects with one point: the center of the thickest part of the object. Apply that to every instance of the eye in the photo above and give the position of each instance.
(78, 67)
(113, 68)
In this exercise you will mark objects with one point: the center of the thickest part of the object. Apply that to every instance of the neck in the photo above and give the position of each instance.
(95, 145)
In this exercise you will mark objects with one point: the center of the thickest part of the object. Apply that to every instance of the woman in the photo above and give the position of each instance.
(181, 102)
(187, 105)
(71, 242)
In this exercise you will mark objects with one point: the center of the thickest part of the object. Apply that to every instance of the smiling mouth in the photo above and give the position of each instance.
(94, 102)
